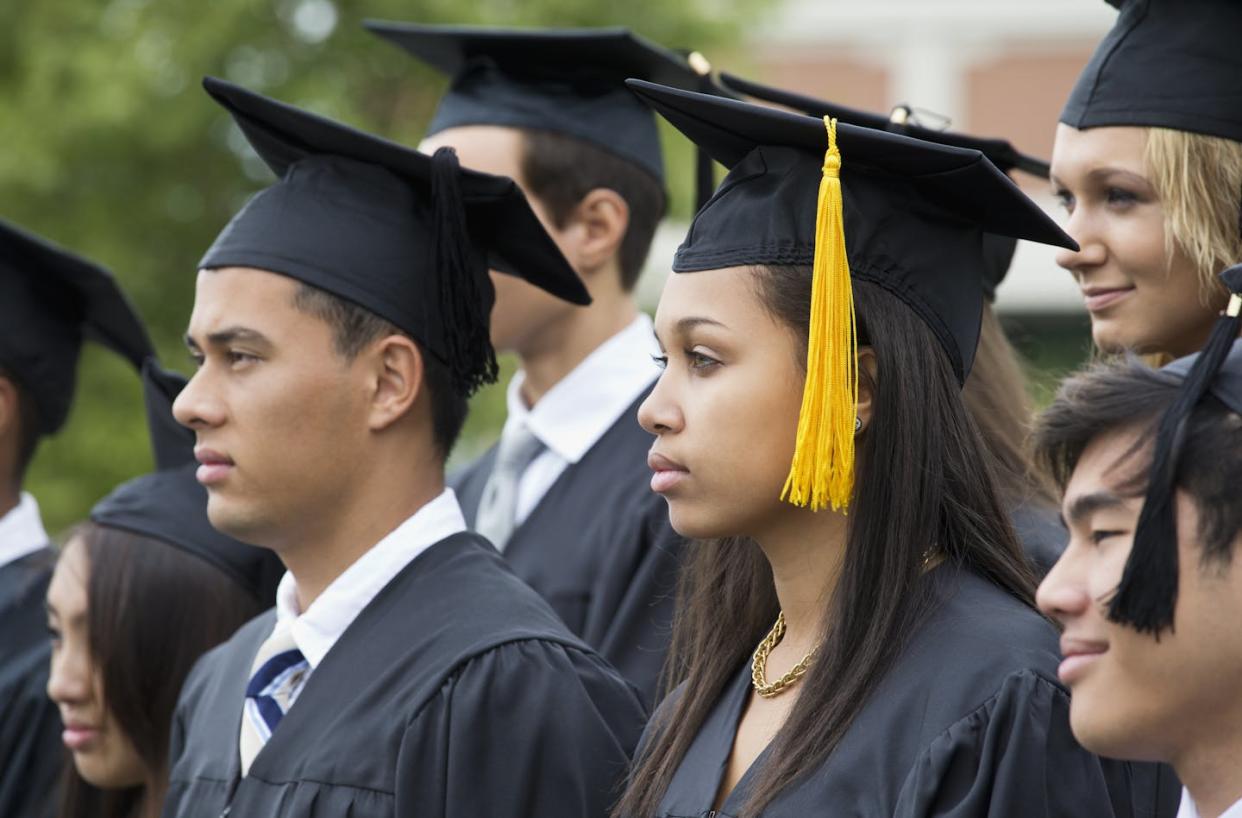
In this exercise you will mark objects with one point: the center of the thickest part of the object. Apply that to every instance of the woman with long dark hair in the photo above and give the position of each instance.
(996, 393)
(870, 647)
(139, 593)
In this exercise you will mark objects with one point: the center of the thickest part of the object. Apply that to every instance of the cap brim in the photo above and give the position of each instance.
(960, 180)
(1002, 154)
(107, 316)
(283, 134)
(615, 50)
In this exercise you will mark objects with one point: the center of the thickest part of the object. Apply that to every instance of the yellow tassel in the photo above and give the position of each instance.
(822, 473)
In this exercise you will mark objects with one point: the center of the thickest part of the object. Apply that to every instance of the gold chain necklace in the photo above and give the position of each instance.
(759, 664)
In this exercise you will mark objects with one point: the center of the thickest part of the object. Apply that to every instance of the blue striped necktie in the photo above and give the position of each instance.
(277, 676)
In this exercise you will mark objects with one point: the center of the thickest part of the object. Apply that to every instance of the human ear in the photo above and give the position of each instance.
(8, 406)
(599, 223)
(397, 374)
(867, 380)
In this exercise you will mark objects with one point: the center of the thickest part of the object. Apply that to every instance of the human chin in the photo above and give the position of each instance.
(235, 516)
(111, 763)
(1108, 714)
(710, 517)
(1125, 331)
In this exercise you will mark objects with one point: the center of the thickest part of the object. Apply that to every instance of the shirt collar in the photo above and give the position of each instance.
(1187, 809)
(582, 406)
(21, 531)
(316, 630)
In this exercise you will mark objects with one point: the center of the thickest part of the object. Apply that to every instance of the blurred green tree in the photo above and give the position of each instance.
(110, 148)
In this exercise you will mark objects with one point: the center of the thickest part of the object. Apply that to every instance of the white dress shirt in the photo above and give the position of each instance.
(1189, 810)
(316, 629)
(575, 413)
(21, 531)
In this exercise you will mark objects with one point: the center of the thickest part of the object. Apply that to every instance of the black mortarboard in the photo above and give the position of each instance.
(571, 81)
(170, 505)
(852, 202)
(1147, 595)
(1165, 64)
(50, 301)
(408, 236)
(998, 250)
(1002, 154)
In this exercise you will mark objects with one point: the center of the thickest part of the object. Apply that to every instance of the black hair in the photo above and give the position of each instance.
(152, 611)
(924, 482)
(355, 327)
(1126, 394)
(561, 170)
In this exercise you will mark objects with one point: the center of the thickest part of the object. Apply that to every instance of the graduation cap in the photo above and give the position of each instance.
(50, 301)
(1167, 64)
(170, 505)
(1147, 594)
(851, 202)
(999, 250)
(408, 236)
(570, 81)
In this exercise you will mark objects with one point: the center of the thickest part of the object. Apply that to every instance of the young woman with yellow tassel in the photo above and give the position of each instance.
(856, 633)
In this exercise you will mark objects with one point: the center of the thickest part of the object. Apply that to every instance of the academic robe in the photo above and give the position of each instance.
(599, 548)
(969, 722)
(31, 753)
(456, 693)
(1041, 533)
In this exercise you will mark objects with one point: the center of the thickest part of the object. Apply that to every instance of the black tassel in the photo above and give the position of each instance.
(1147, 595)
(464, 303)
(705, 179)
(704, 167)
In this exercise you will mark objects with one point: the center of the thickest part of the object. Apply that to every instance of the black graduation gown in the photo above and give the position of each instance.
(455, 693)
(1041, 533)
(969, 722)
(599, 548)
(31, 755)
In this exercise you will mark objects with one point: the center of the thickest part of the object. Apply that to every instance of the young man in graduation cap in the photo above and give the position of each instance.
(340, 323)
(50, 300)
(1149, 592)
(565, 493)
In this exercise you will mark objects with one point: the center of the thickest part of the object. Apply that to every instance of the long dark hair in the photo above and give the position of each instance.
(923, 481)
(152, 610)
(996, 397)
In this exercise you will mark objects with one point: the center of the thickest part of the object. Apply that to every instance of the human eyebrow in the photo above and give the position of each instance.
(690, 322)
(75, 620)
(1108, 173)
(1084, 505)
(230, 335)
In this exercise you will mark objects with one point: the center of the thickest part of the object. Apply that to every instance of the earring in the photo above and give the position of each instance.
(857, 424)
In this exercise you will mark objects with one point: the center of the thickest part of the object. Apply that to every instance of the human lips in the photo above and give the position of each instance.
(668, 472)
(78, 735)
(1078, 656)
(213, 467)
(1099, 298)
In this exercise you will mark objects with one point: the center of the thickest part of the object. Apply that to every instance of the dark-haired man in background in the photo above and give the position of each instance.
(565, 494)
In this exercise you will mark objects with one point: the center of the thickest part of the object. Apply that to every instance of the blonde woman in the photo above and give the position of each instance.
(1148, 165)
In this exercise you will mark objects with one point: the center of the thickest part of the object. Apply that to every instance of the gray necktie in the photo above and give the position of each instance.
(497, 515)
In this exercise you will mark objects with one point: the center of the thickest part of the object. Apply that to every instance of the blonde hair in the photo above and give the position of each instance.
(1199, 180)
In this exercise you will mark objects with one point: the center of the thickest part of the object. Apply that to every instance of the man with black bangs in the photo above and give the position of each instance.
(1148, 592)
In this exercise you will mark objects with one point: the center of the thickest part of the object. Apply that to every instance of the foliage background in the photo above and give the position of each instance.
(111, 148)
